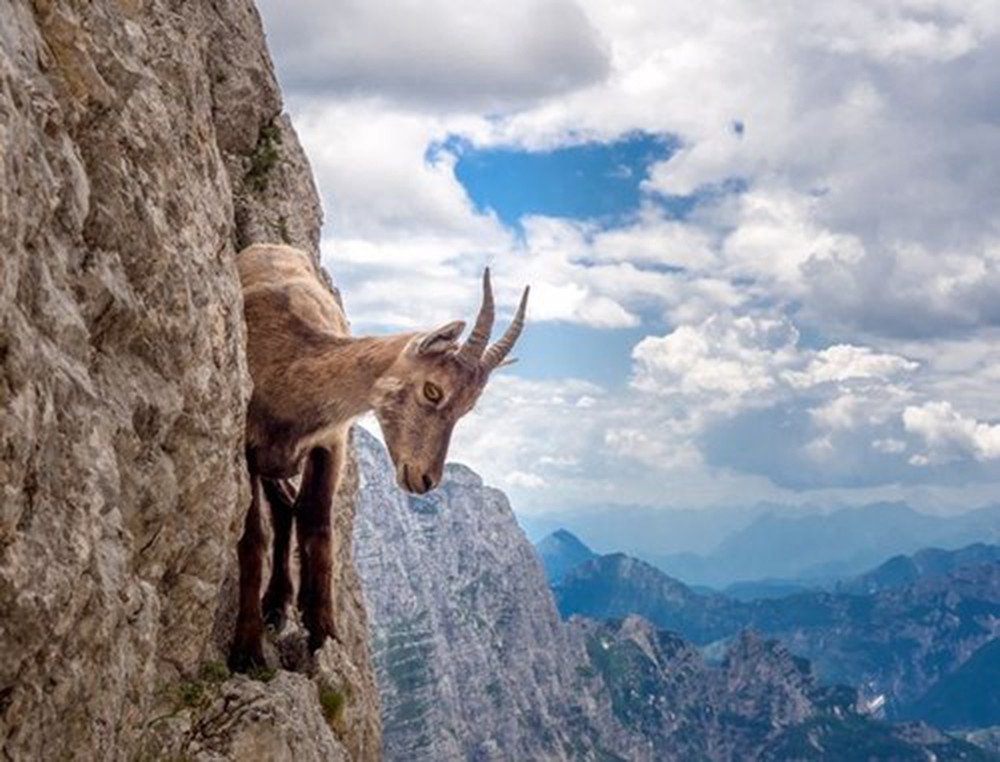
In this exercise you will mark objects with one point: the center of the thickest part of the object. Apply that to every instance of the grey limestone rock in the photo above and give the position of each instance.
(141, 145)
(469, 650)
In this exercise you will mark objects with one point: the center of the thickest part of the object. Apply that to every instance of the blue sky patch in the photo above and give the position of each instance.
(566, 350)
(592, 181)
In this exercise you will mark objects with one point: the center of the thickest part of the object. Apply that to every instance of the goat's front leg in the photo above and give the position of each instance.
(281, 498)
(314, 532)
(247, 650)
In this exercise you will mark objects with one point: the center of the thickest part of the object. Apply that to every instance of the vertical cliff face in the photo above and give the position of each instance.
(470, 653)
(141, 145)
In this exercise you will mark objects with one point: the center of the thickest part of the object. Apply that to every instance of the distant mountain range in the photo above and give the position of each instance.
(615, 586)
(818, 549)
(900, 571)
(916, 628)
(474, 662)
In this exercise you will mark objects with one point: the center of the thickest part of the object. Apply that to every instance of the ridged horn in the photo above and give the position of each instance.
(498, 351)
(475, 345)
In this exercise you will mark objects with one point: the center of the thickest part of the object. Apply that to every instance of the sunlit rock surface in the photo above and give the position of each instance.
(141, 145)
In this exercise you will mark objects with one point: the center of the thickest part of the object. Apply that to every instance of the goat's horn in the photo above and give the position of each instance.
(498, 351)
(476, 343)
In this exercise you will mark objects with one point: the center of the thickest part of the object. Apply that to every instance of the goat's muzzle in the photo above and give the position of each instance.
(415, 482)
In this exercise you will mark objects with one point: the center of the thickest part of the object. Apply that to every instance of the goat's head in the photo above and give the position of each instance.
(433, 383)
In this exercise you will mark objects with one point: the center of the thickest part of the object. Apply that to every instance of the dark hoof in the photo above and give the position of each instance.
(316, 641)
(275, 620)
(318, 636)
(246, 660)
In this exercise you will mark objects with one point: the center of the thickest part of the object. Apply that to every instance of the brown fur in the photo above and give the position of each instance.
(311, 379)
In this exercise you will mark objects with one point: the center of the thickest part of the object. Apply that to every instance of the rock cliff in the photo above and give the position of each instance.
(142, 144)
(468, 648)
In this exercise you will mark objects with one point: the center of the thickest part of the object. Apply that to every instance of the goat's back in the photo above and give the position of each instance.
(283, 292)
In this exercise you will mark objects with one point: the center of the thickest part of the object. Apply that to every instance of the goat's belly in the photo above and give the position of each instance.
(277, 462)
(282, 458)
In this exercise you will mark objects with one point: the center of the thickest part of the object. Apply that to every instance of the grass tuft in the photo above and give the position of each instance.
(332, 701)
(264, 158)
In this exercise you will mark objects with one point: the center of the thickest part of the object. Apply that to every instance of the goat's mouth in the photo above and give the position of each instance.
(406, 481)
(414, 485)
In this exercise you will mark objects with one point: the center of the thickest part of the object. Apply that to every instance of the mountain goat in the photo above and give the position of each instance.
(311, 380)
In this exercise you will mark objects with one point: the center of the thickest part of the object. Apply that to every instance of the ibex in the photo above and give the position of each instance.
(311, 379)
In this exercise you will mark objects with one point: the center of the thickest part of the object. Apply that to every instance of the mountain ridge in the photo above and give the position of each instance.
(474, 661)
(885, 640)
(826, 547)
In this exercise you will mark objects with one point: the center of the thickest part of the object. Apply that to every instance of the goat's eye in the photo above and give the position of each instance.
(433, 392)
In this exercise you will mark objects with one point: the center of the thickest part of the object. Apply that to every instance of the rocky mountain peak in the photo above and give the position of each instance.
(561, 552)
(462, 476)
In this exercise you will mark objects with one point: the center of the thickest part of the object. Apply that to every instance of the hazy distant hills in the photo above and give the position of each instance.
(823, 548)
(898, 641)
(753, 590)
(901, 570)
(615, 586)
(561, 552)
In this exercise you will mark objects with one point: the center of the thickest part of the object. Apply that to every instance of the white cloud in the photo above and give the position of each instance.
(518, 426)
(861, 406)
(653, 239)
(889, 446)
(949, 435)
(820, 448)
(663, 446)
(618, 450)
(720, 362)
(525, 479)
(576, 303)
(488, 54)
(908, 30)
(378, 184)
(777, 233)
(843, 412)
(843, 362)
(559, 461)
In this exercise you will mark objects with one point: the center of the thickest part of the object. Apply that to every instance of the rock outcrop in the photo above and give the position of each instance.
(141, 146)
(468, 648)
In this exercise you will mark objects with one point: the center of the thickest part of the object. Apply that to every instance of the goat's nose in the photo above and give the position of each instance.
(428, 483)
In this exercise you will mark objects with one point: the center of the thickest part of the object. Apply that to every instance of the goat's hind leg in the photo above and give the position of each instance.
(314, 531)
(247, 650)
(281, 498)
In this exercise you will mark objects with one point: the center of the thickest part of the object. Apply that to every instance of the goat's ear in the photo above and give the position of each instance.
(440, 339)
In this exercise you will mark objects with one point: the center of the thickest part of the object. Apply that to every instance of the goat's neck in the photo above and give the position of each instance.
(350, 369)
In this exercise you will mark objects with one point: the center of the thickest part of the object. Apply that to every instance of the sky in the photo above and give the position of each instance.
(763, 240)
